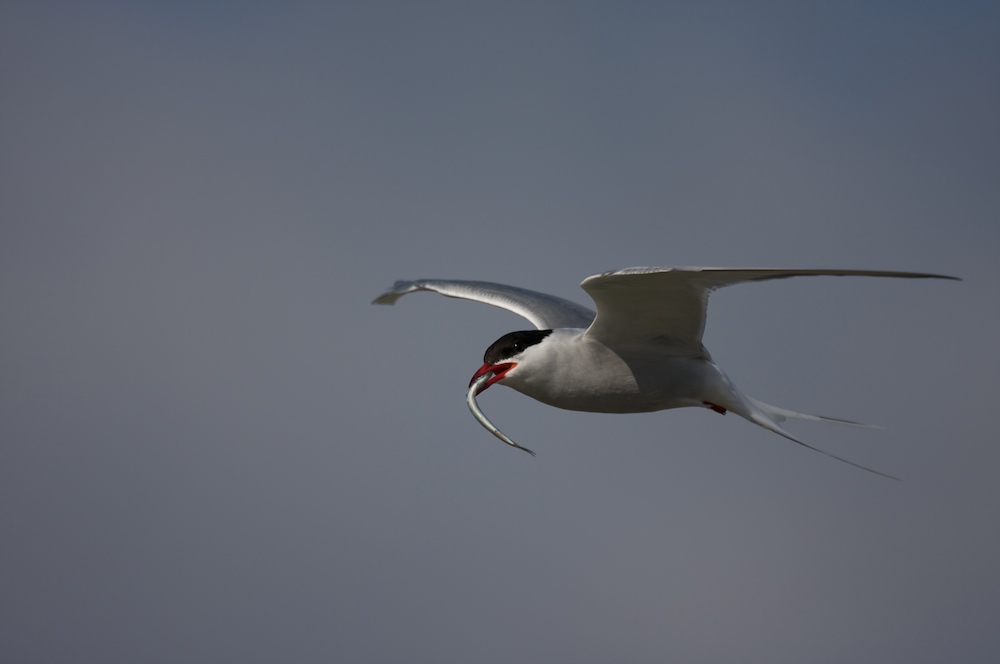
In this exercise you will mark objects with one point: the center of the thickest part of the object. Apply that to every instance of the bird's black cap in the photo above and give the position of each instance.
(511, 344)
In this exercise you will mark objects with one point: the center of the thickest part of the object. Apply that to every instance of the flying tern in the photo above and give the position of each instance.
(641, 351)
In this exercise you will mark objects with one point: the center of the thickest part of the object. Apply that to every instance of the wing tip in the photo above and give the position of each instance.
(398, 290)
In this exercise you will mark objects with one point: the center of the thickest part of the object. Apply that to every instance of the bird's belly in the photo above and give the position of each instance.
(613, 384)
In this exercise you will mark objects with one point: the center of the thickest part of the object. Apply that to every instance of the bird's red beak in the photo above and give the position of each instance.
(498, 370)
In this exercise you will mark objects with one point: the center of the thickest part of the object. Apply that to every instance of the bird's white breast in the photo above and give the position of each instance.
(573, 371)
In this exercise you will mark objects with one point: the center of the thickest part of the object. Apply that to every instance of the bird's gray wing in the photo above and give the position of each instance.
(545, 312)
(666, 305)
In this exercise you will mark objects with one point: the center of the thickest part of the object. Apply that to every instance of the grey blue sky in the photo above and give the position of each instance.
(214, 449)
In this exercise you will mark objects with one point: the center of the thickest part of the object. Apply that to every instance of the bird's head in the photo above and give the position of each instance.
(505, 354)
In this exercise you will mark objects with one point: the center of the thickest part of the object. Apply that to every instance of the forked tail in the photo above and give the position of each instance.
(781, 414)
(768, 416)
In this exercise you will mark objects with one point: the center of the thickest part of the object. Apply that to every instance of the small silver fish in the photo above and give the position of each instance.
(481, 418)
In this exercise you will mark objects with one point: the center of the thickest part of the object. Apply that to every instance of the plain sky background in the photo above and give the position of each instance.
(214, 449)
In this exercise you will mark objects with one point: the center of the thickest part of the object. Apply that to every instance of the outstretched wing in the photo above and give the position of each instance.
(545, 312)
(667, 305)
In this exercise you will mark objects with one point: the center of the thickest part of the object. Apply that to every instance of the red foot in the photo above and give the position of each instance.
(719, 409)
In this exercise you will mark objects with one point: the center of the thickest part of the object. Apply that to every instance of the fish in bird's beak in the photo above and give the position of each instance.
(498, 371)
(483, 379)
